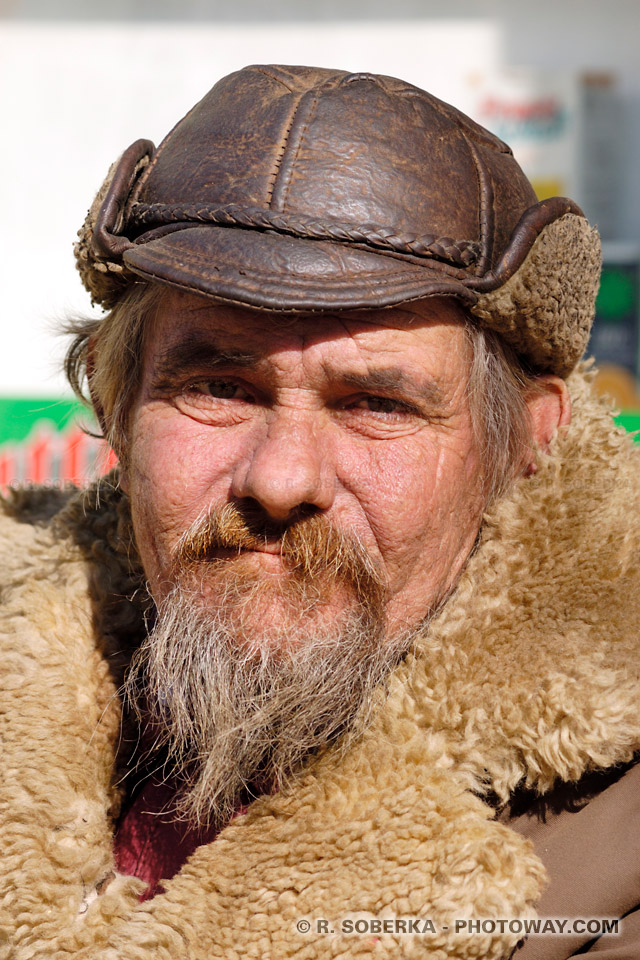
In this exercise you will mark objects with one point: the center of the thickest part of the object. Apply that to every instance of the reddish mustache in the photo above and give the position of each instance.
(312, 545)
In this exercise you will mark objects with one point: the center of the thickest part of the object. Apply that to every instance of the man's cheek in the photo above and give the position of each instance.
(399, 489)
(174, 468)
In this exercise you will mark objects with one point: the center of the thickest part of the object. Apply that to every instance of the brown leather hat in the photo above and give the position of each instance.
(296, 188)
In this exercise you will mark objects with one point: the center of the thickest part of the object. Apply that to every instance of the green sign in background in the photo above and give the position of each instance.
(18, 416)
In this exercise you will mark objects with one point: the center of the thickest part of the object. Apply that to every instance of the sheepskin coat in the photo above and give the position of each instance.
(528, 679)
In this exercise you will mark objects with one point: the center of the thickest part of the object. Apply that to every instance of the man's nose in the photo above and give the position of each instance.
(290, 467)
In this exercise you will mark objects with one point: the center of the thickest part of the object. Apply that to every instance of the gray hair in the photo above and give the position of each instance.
(107, 355)
(500, 383)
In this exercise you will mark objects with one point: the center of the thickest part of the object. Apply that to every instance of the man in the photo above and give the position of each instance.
(364, 581)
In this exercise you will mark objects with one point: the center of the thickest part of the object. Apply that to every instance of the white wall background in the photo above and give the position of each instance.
(75, 92)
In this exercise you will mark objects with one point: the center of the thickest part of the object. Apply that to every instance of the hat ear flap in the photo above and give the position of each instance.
(99, 249)
(545, 309)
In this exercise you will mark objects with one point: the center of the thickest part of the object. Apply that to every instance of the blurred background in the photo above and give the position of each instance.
(559, 80)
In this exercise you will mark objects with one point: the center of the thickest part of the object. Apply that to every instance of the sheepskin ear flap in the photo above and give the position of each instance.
(545, 309)
(99, 249)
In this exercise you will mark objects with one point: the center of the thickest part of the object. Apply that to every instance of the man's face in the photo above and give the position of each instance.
(360, 418)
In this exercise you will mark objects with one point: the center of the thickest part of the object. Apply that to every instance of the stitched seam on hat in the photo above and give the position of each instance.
(485, 209)
(285, 141)
(287, 175)
(445, 249)
(272, 76)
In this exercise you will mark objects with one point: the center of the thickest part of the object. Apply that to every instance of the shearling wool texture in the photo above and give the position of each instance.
(545, 310)
(529, 674)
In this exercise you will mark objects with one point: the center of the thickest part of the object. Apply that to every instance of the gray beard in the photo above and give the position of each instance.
(235, 717)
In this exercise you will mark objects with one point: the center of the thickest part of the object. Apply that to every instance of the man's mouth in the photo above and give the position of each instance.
(268, 556)
(275, 549)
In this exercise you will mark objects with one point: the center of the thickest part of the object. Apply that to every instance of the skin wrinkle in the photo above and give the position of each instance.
(381, 474)
(393, 379)
(197, 351)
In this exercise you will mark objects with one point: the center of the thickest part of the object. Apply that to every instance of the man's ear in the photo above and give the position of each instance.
(549, 407)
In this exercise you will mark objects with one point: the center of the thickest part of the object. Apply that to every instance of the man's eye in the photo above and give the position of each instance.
(222, 390)
(380, 405)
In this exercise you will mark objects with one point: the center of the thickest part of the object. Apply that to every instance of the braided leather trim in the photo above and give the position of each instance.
(461, 253)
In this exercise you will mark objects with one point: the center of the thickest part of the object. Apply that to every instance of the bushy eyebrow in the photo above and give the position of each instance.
(196, 352)
(394, 379)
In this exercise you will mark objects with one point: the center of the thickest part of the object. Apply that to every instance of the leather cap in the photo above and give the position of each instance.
(297, 188)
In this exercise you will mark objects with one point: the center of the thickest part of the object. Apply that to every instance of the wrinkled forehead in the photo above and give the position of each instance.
(184, 317)
(426, 338)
